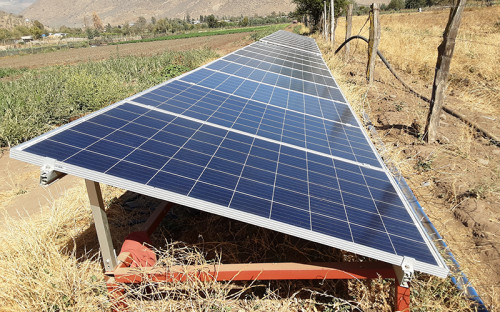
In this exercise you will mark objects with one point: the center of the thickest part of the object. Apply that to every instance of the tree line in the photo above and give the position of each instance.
(94, 27)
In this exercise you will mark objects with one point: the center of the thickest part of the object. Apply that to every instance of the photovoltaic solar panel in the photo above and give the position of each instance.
(263, 135)
(288, 39)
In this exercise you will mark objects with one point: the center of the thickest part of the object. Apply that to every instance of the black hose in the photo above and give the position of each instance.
(387, 65)
(486, 133)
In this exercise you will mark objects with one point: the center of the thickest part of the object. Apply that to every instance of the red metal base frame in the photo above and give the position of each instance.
(123, 273)
(250, 272)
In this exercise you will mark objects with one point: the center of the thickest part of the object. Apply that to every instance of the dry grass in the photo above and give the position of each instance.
(429, 293)
(40, 269)
(49, 263)
(475, 69)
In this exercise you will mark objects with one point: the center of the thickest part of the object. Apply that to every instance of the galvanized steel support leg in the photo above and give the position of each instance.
(101, 225)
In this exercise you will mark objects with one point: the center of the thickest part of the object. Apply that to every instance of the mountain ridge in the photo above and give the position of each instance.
(56, 13)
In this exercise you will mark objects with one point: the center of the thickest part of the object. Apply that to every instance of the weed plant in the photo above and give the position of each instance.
(39, 100)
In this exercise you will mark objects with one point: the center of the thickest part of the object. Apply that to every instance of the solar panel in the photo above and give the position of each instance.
(290, 40)
(263, 135)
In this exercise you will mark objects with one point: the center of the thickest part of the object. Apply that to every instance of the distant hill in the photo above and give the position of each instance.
(10, 21)
(72, 13)
(14, 6)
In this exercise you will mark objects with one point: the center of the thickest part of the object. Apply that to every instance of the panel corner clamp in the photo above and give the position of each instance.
(405, 271)
(48, 174)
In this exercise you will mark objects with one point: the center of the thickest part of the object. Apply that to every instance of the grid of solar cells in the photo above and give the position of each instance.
(244, 173)
(288, 55)
(245, 138)
(286, 124)
(275, 75)
(280, 66)
(289, 39)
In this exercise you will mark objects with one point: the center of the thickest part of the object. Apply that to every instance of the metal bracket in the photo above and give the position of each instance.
(405, 271)
(47, 173)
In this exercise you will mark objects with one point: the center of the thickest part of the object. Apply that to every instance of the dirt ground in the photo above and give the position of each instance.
(222, 43)
(455, 180)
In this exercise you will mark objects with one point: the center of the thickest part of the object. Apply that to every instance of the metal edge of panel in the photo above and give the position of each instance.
(413, 214)
(231, 213)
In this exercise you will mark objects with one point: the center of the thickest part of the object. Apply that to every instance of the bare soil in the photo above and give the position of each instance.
(221, 43)
(457, 180)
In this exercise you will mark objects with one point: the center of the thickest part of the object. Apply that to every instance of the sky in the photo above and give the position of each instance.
(14, 6)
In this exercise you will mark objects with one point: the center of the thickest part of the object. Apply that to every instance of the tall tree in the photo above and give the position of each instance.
(97, 21)
(314, 8)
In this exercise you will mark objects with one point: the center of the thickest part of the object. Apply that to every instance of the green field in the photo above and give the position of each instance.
(259, 30)
(35, 101)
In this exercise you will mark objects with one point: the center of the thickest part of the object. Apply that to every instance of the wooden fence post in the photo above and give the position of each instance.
(373, 42)
(348, 29)
(325, 17)
(332, 22)
(445, 53)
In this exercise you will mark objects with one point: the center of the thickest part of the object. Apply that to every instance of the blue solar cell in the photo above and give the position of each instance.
(251, 204)
(261, 163)
(231, 155)
(153, 122)
(131, 172)
(212, 193)
(359, 202)
(126, 138)
(225, 166)
(292, 172)
(330, 227)
(110, 149)
(413, 249)
(291, 198)
(255, 188)
(183, 169)
(403, 229)
(92, 129)
(290, 215)
(201, 147)
(138, 129)
(147, 159)
(160, 148)
(219, 178)
(193, 157)
(369, 220)
(172, 182)
(52, 149)
(74, 138)
(369, 237)
(92, 161)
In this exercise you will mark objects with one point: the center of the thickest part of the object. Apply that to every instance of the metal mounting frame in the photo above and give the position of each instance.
(118, 269)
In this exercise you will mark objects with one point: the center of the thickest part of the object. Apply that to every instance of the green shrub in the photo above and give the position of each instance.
(40, 100)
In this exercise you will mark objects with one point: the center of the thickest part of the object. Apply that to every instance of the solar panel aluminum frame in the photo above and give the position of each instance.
(441, 270)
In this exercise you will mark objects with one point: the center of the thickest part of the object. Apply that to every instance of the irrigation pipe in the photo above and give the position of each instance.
(461, 280)
(456, 114)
